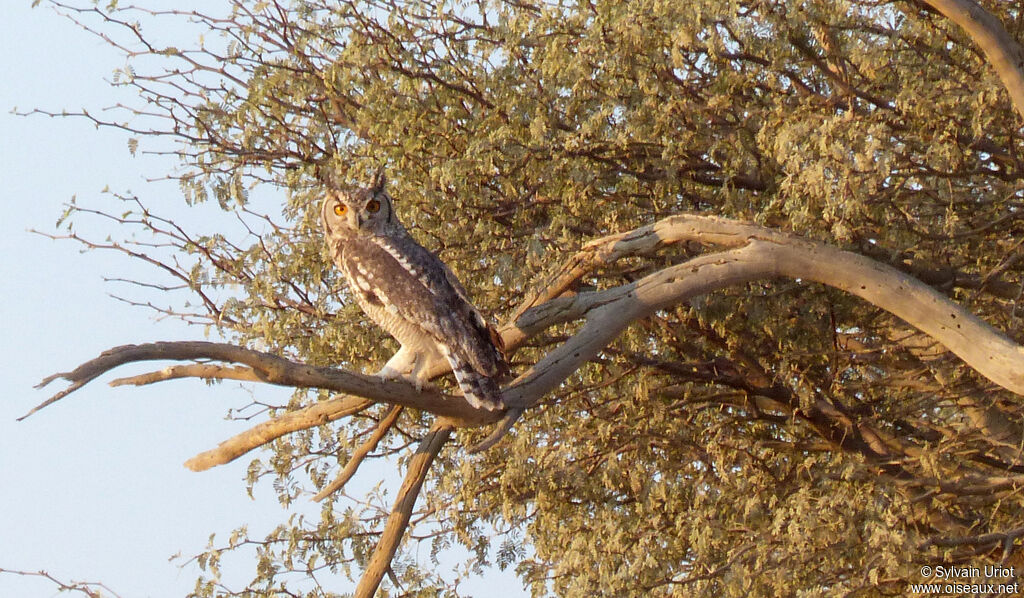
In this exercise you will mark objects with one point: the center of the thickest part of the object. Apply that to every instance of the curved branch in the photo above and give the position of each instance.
(761, 254)
(596, 253)
(758, 253)
(394, 529)
(1004, 52)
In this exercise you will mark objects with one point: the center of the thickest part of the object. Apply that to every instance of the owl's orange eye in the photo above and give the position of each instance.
(340, 209)
(372, 206)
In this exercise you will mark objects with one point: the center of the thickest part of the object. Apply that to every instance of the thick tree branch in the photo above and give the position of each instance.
(1004, 52)
(271, 369)
(766, 254)
(758, 253)
(419, 466)
(593, 255)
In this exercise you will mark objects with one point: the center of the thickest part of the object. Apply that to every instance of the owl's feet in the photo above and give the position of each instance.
(390, 373)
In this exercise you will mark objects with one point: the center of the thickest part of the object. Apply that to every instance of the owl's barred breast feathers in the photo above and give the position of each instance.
(409, 292)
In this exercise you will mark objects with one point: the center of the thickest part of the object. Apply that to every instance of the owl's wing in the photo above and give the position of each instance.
(415, 285)
(481, 323)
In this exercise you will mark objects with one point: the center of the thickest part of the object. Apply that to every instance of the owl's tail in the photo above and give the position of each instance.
(481, 391)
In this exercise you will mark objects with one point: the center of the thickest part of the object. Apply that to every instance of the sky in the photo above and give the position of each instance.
(93, 487)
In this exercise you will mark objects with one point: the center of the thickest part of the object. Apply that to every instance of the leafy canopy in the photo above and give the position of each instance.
(777, 439)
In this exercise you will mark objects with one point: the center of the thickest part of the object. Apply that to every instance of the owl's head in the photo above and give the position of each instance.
(362, 211)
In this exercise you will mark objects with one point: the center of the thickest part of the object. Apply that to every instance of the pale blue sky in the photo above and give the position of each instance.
(93, 487)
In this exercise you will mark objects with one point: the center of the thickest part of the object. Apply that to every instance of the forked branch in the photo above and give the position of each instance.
(752, 253)
(264, 367)
(756, 253)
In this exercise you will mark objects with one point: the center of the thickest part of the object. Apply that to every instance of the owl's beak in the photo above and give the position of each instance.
(359, 221)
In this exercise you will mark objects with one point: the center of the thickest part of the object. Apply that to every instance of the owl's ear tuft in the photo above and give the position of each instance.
(379, 180)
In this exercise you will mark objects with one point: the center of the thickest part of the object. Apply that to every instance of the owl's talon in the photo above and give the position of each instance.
(389, 373)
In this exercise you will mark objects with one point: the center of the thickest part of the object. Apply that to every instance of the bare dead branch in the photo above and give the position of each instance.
(758, 254)
(763, 254)
(593, 255)
(397, 522)
(499, 431)
(314, 415)
(197, 370)
(271, 369)
(360, 453)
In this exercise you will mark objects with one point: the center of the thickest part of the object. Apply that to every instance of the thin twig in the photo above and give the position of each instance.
(85, 587)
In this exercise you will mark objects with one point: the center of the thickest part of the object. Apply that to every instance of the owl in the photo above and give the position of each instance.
(409, 292)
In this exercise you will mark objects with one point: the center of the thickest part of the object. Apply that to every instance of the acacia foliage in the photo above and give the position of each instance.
(778, 439)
